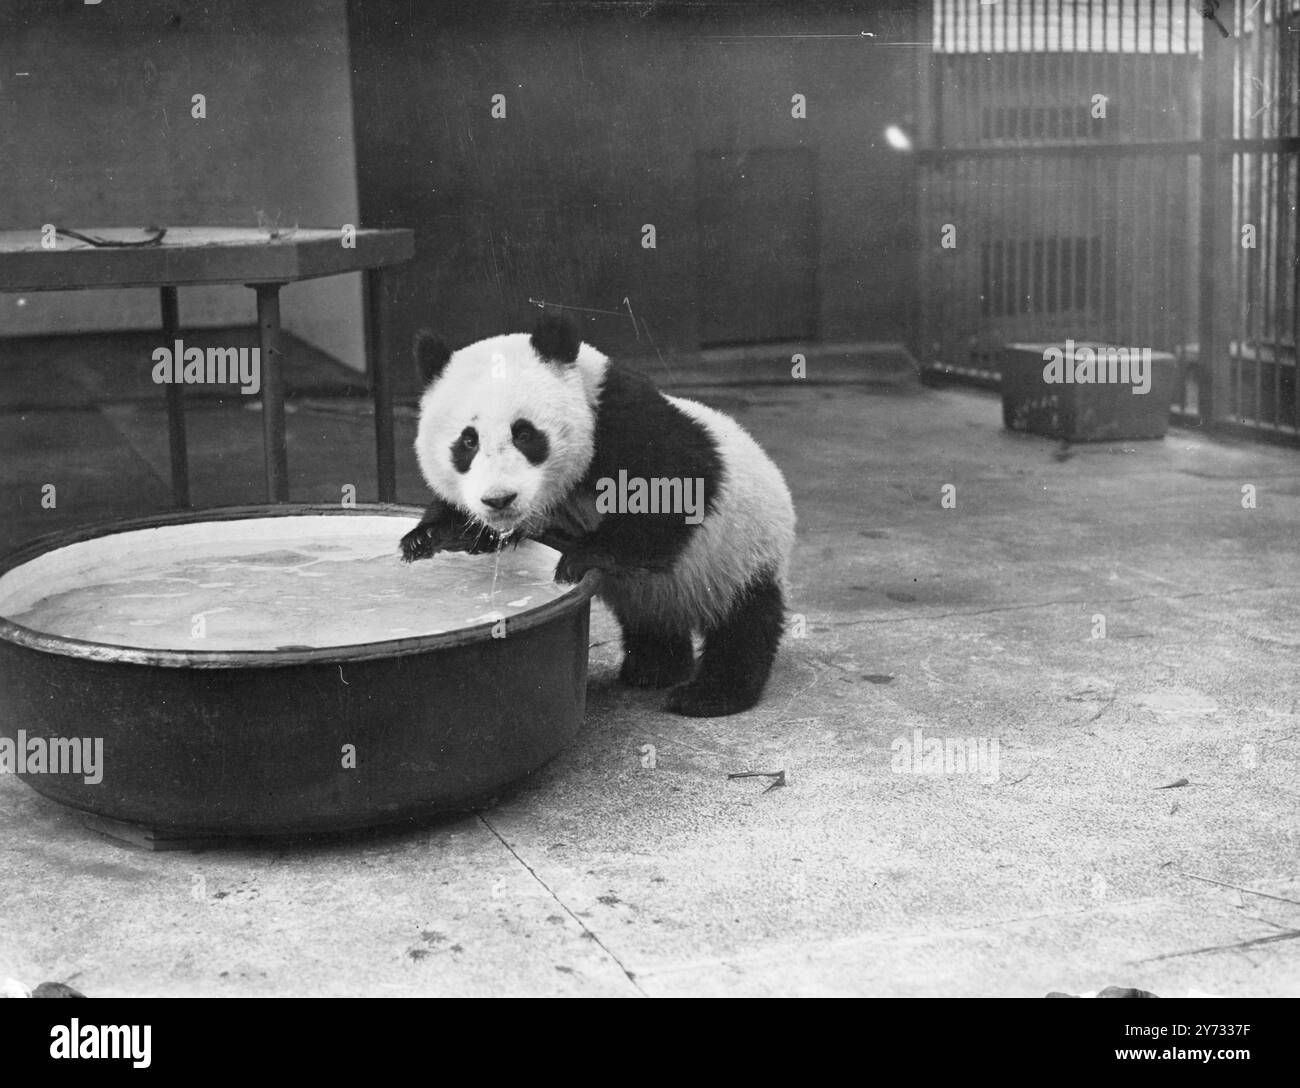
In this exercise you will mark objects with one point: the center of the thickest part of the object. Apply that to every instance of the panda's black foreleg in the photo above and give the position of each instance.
(656, 659)
(445, 528)
(738, 655)
(576, 562)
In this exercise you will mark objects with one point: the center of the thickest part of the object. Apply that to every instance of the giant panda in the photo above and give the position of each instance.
(525, 436)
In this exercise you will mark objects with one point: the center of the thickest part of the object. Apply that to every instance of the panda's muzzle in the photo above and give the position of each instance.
(500, 501)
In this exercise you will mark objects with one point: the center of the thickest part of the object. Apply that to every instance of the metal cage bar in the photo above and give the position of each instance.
(1123, 227)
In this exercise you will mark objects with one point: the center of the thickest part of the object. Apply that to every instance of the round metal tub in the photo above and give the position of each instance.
(283, 741)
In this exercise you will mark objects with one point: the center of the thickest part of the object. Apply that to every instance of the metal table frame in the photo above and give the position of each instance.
(189, 256)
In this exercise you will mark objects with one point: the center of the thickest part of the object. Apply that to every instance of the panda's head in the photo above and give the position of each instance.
(507, 424)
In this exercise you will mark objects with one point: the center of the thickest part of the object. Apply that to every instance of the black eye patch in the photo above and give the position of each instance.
(529, 441)
(464, 449)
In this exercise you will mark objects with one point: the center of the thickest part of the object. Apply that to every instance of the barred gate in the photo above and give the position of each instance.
(1069, 146)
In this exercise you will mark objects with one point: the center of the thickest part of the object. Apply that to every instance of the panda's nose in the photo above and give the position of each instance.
(501, 501)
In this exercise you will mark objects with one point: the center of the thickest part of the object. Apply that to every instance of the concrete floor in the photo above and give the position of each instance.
(1072, 869)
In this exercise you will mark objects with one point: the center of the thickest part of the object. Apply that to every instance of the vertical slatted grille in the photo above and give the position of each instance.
(1261, 378)
(1071, 223)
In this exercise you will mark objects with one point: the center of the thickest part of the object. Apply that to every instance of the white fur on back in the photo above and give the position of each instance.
(750, 529)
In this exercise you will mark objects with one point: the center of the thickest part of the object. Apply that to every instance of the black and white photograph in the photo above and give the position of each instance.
(650, 498)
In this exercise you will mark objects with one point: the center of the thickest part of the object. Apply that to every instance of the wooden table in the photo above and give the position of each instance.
(188, 256)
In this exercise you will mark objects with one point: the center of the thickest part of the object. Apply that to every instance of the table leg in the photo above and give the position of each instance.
(379, 365)
(175, 403)
(268, 336)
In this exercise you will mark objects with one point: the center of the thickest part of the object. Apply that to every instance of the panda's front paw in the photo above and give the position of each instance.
(570, 569)
(445, 528)
(442, 529)
(420, 543)
(574, 565)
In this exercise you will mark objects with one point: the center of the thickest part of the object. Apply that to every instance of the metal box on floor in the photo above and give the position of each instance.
(1087, 392)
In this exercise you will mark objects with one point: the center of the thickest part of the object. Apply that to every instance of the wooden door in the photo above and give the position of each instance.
(757, 223)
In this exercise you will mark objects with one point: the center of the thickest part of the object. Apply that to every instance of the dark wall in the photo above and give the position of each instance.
(609, 108)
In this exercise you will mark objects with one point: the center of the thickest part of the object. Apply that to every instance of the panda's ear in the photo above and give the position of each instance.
(556, 339)
(431, 355)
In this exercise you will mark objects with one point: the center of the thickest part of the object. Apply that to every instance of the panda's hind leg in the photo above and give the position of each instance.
(655, 658)
(738, 654)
